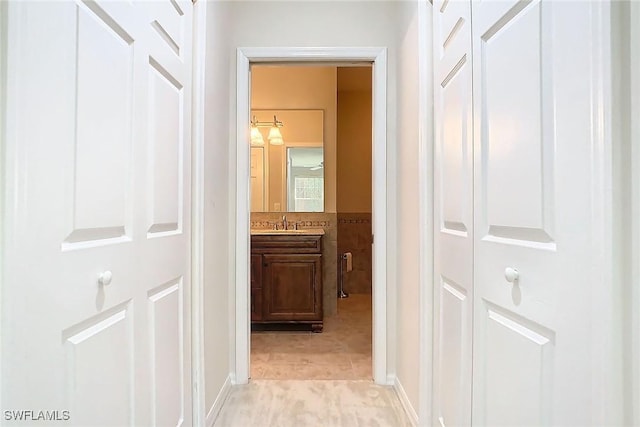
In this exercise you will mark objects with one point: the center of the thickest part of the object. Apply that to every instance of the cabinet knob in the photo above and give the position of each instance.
(105, 278)
(511, 274)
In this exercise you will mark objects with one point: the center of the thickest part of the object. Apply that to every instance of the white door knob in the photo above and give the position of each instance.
(511, 274)
(105, 278)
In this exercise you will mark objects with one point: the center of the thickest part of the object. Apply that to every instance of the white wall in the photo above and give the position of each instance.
(621, 152)
(3, 83)
(322, 24)
(408, 243)
(634, 416)
(632, 349)
(290, 24)
(218, 267)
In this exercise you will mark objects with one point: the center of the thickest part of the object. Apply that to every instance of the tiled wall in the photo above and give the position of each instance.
(354, 235)
(326, 221)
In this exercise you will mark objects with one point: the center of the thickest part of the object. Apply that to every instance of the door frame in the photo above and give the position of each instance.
(3, 143)
(634, 74)
(199, 50)
(251, 55)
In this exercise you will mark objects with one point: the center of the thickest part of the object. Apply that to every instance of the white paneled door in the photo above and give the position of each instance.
(96, 297)
(535, 266)
(521, 311)
(453, 192)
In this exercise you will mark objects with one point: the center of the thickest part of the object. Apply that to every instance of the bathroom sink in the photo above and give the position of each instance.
(270, 232)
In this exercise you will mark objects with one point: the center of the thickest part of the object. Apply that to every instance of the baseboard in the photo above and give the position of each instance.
(391, 379)
(408, 408)
(213, 412)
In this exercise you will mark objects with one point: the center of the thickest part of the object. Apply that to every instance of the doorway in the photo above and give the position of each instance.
(377, 57)
(318, 175)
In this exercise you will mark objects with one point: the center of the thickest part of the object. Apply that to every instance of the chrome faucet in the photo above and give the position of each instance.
(285, 225)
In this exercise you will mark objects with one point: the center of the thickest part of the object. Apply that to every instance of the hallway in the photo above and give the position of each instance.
(311, 403)
(304, 379)
(496, 189)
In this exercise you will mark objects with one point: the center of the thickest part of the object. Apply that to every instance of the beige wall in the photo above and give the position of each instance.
(353, 193)
(218, 267)
(299, 88)
(303, 24)
(408, 243)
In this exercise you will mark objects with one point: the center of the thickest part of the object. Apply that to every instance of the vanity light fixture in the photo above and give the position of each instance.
(256, 136)
(275, 137)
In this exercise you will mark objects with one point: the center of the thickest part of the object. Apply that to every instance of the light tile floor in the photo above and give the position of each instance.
(316, 403)
(341, 352)
(302, 379)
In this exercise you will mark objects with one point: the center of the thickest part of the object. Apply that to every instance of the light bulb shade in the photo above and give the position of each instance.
(275, 137)
(256, 137)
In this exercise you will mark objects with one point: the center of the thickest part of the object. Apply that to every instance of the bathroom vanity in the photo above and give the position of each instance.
(286, 277)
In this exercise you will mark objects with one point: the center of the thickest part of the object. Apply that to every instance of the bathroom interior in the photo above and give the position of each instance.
(311, 180)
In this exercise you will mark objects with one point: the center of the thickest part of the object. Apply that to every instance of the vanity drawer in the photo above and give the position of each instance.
(286, 244)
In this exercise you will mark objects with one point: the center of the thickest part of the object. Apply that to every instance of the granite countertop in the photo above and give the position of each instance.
(301, 231)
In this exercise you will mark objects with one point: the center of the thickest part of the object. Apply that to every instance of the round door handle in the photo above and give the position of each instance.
(511, 274)
(105, 278)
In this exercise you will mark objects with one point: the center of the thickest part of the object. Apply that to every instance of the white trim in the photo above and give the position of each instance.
(378, 56)
(406, 404)
(606, 383)
(635, 211)
(243, 204)
(221, 398)
(197, 212)
(425, 215)
(379, 217)
(3, 178)
(313, 54)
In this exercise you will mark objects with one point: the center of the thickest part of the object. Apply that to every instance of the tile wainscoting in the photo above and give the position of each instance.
(354, 235)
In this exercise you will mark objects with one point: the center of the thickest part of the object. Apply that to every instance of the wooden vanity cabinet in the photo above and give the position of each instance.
(256, 287)
(286, 280)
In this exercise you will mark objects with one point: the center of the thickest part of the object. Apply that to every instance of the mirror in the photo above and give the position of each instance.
(289, 177)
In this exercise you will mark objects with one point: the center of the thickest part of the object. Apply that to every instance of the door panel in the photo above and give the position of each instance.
(102, 150)
(453, 192)
(533, 336)
(166, 122)
(98, 145)
(167, 352)
(455, 349)
(518, 376)
(517, 107)
(104, 341)
(169, 21)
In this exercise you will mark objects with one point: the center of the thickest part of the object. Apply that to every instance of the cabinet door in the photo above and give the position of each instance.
(256, 271)
(256, 287)
(256, 305)
(292, 287)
